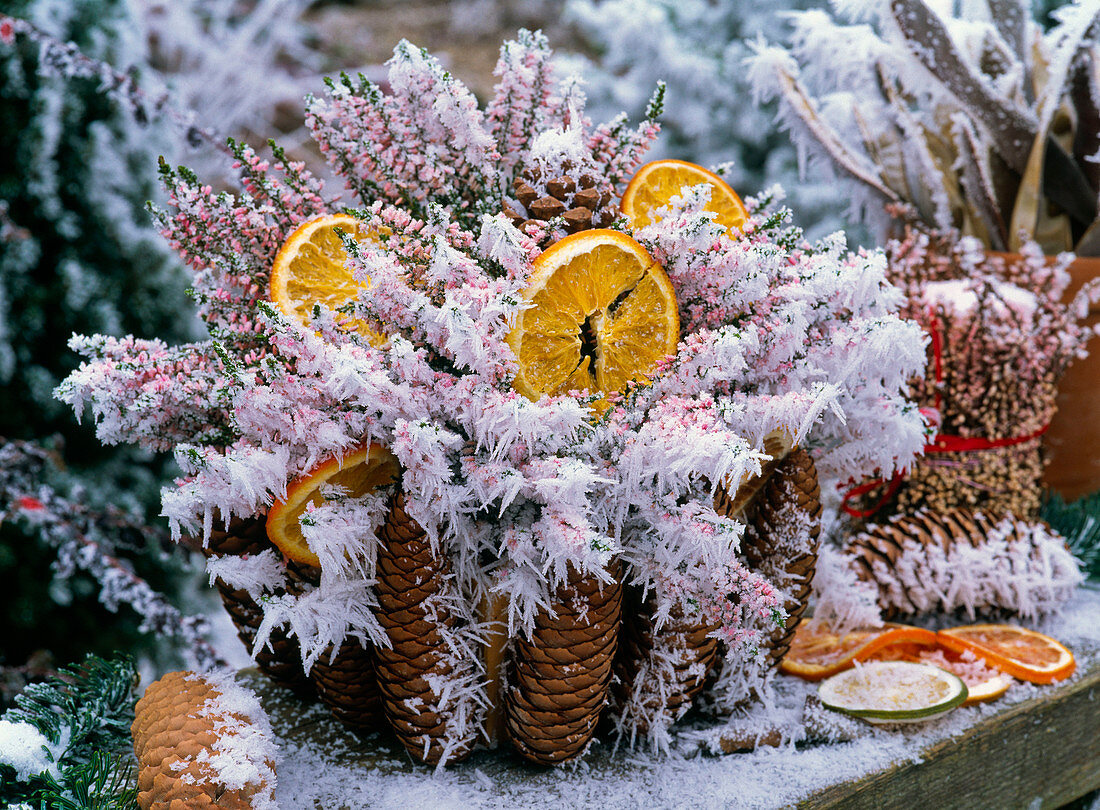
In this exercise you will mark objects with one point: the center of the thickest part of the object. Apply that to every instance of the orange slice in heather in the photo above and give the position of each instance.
(602, 314)
(816, 652)
(1016, 651)
(311, 269)
(656, 183)
(359, 471)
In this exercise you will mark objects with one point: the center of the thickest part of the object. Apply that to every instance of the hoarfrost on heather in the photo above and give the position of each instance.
(777, 334)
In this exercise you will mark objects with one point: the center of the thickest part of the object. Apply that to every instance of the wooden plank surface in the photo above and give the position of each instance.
(1036, 748)
(1041, 753)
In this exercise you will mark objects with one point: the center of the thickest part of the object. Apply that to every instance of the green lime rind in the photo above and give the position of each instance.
(829, 690)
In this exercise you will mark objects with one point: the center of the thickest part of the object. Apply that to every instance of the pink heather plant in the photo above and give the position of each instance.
(777, 334)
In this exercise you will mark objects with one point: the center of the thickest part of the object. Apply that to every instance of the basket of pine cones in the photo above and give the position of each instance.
(527, 443)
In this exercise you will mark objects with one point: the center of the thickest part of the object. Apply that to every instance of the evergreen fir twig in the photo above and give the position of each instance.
(1079, 522)
(84, 714)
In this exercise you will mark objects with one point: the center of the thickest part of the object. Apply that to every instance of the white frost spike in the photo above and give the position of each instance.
(243, 752)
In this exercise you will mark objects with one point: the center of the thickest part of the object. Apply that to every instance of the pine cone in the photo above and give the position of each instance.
(962, 559)
(409, 576)
(581, 201)
(171, 728)
(281, 658)
(781, 539)
(347, 685)
(562, 673)
(879, 550)
(660, 672)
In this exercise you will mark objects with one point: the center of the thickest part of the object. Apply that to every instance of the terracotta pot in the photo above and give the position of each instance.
(1073, 441)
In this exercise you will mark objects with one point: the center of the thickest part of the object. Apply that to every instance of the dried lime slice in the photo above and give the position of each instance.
(893, 692)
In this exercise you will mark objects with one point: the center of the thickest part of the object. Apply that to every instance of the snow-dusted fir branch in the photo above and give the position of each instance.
(68, 739)
(91, 541)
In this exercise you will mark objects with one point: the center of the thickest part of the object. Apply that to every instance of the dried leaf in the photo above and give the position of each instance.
(930, 42)
(800, 104)
(977, 181)
(1030, 216)
(885, 149)
(1011, 19)
(1063, 180)
(1089, 243)
(1084, 93)
(933, 188)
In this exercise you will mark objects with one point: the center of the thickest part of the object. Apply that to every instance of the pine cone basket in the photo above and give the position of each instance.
(281, 658)
(346, 684)
(660, 672)
(409, 575)
(561, 674)
(170, 732)
(931, 561)
(781, 539)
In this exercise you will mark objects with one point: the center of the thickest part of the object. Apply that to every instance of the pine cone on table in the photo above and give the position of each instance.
(961, 559)
(410, 580)
(660, 671)
(781, 539)
(171, 729)
(346, 684)
(561, 675)
(281, 657)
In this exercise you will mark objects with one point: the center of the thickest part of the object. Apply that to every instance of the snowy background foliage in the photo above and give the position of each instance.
(92, 92)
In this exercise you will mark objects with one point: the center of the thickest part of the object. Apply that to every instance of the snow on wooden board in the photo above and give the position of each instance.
(323, 765)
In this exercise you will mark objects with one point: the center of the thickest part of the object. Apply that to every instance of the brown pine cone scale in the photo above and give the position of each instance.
(409, 575)
(781, 543)
(174, 732)
(924, 561)
(685, 641)
(561, 675)
(577, 201)
(347, 686)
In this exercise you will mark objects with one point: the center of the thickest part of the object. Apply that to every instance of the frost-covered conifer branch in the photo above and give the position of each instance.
(90, 540)
(66, 60)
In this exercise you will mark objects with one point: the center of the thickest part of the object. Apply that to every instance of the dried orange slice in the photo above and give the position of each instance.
(1017, 651)
(983, 683)
(311, 268)
(656, 183)
(816, 652)
(361, 470)
(893, 692)
(602, 314)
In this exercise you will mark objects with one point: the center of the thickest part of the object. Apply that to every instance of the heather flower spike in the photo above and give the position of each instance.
(519, 501)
